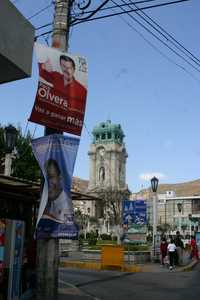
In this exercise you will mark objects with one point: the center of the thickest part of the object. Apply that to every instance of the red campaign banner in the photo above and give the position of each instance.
(62, 90)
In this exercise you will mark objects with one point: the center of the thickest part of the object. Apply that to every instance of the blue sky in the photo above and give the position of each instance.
(130, 83)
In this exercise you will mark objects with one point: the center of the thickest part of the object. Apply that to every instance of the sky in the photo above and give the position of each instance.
(155, 100)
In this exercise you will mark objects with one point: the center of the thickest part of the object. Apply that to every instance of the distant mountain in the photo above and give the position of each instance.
(79, 185)
(190, 188)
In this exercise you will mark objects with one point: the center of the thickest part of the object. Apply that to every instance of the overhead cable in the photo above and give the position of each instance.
(125, 11)
(166, 35)
(156, 37)
(159, 51)
(40, 11)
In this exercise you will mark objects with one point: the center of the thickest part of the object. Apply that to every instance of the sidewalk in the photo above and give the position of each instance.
(148, 267)
(70, 291)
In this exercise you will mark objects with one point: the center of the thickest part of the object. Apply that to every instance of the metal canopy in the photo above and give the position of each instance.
(17, 188)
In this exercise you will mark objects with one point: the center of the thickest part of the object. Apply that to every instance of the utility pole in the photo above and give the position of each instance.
(48, 250)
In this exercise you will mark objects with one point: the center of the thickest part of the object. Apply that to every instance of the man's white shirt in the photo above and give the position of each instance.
(60, 207)
(171, 247)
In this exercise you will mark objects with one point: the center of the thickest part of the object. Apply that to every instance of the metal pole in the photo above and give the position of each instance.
(8, 164)
(48, 250)
(179, 222)
(154, 222)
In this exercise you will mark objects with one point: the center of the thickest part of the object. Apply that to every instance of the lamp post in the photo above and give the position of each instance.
(154, 187)
(179, 206)
(190, 219)
(88, 219)
(10, 138)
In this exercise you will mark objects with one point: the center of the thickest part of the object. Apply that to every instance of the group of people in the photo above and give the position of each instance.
(172, 250)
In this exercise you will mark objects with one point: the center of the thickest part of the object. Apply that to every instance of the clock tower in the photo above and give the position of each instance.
(107, 162)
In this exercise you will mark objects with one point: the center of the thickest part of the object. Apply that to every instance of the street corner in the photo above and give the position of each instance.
(188, 267)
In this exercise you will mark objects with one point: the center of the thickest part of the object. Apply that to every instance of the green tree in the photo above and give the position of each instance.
(24, 164)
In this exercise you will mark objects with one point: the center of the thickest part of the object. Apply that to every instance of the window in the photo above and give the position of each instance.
(195, 206)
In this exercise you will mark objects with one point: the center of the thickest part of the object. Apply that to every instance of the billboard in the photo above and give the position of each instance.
(56, 156)
(134, 212)
(62, 90)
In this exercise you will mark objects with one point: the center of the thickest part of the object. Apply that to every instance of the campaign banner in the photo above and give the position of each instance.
(62, 90)
(56, 155)
(128, 212)
(134, 212)
(140, 212)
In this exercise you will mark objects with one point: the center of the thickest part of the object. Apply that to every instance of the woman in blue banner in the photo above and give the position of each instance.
(59, 205)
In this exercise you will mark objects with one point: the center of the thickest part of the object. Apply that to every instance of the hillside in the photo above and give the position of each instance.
(190, 188)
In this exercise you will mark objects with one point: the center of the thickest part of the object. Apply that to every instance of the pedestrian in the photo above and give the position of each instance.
(194, 249)
(179, 249)
(163, 250)
(171, 251)
(29, 273)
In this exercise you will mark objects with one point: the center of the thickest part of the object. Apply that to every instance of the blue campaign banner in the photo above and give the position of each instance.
(128, 212)
(56, 155)
(140, 212)
(134, 212)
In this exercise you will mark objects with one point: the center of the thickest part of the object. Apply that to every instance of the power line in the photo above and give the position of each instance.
(168, 34)
(125, 11)
(40, 11)
(159, 39)
(165, 35)
(158, 50)
(43, 34)
(115, 6)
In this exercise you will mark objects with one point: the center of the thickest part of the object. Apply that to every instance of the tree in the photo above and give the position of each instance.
(24, 165)
(110, 205)
(163, 228)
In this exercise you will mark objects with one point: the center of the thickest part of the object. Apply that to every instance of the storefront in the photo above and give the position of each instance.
(18, 206)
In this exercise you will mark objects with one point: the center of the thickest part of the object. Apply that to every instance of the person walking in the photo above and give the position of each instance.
(163, 250)
(171, 251)
(194, 248)
(179, 249)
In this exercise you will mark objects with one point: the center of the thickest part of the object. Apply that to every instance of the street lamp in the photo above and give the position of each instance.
(190, 219)
(10, 138)
(179, 206)
(154, 187)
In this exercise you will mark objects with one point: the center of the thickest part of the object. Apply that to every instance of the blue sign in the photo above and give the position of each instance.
(134, 212)
(140, 212)
(56, 156)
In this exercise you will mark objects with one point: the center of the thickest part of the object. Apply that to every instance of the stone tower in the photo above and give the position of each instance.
(107, 162)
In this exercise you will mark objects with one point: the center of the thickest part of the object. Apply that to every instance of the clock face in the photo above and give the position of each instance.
(102, 151)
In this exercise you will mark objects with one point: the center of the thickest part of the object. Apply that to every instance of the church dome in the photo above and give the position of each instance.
(106, 132)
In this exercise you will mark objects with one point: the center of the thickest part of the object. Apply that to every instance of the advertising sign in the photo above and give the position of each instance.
(128, 212)
(56, 156)
(134, 212)
(17, 242)
(197, 237)
(140, 212)
(62, 90)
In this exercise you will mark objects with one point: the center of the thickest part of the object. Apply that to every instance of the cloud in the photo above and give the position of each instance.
(147, 176)
(168, 144)
(121, 72)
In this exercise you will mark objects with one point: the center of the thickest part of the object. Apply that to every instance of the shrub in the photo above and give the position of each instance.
(105, 236)
(92, 238)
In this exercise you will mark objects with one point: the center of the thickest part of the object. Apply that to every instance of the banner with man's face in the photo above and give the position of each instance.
(56, 156)
(62, 90)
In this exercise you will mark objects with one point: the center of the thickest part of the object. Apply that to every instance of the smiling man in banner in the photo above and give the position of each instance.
(58, 206)
(65, 82)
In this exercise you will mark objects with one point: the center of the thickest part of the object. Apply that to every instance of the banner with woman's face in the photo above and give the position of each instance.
(56, 156)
